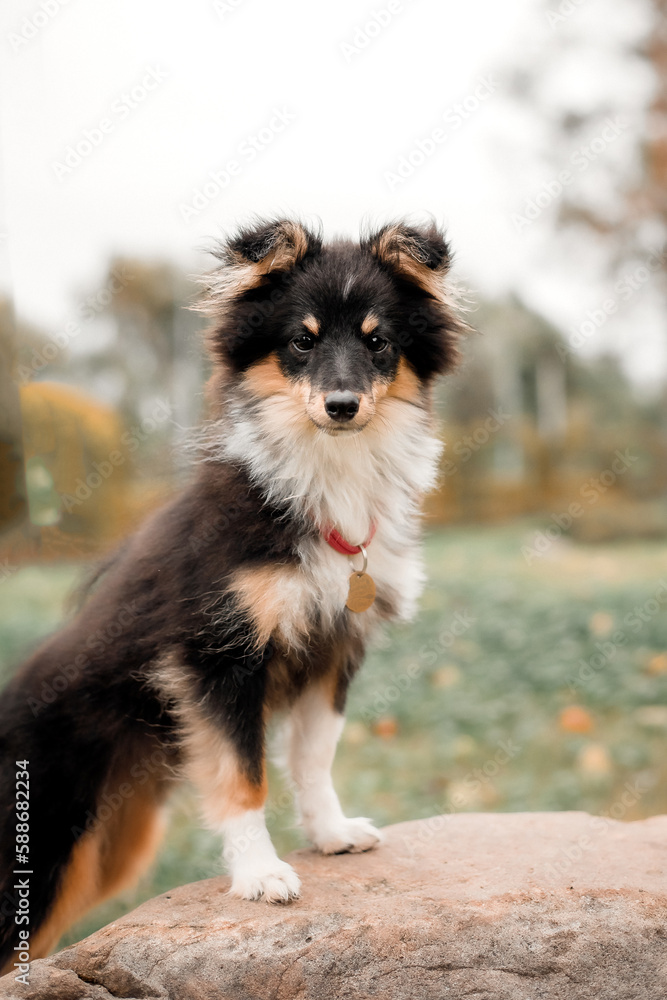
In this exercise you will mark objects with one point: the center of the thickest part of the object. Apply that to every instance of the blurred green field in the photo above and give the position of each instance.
(524, 685)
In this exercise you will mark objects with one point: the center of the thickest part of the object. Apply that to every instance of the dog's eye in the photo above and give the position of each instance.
(377, 344)
(303, 343)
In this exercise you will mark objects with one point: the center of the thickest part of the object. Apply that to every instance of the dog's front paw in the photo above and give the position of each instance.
(278, 884)
(348, 835)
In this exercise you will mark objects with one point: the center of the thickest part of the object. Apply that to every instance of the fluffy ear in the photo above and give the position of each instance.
(248, 259)
(420, 256)
(420, 259)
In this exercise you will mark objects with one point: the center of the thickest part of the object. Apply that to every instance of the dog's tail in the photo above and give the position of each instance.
(81, 793)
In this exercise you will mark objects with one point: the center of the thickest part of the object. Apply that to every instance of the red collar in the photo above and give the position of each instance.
(337, 542)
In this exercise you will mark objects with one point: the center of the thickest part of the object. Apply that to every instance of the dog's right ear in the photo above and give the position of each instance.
(253, 255)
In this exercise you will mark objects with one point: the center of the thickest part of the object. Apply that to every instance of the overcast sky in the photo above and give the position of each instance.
(150, 127)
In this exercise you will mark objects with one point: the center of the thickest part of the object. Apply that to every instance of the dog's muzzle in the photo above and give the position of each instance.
(341, 406)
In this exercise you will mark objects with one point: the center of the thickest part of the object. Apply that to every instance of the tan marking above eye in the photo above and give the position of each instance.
(312, 324)
(370, 323)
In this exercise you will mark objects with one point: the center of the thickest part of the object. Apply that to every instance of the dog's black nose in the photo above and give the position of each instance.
(341, 406)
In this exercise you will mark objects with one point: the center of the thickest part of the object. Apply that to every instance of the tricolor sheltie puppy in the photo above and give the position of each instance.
(254, 591)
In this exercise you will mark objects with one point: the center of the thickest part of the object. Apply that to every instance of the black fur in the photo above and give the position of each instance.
(167, 589)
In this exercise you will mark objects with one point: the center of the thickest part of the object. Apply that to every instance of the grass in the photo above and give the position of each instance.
(524, 685)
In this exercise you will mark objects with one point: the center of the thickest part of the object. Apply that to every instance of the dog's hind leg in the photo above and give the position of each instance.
(233, 790)
(219, 702)
(109, 856)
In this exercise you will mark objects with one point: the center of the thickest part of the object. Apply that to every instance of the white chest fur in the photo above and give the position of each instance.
(346, 481)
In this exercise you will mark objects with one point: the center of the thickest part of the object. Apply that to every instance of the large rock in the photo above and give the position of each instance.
(541, 905)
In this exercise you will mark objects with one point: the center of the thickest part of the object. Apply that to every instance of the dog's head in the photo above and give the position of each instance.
(333, 329)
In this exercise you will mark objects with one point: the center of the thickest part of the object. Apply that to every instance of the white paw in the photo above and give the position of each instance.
(278, 884)
(348, 835)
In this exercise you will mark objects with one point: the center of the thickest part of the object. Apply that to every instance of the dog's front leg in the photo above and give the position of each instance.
(225, 759)
(315, 727)
(256, 870)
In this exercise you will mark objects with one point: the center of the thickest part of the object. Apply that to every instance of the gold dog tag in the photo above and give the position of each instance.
(361, 593)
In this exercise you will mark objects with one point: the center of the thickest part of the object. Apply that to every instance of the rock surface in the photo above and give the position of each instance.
(495, 907)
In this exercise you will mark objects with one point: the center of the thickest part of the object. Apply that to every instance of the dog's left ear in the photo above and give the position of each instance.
(254, 254)
(420, 256)
(420, 259)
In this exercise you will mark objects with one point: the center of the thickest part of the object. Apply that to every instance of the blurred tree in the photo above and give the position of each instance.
(12, 482)
(594, 96)
(597, 98)
(656, 141)
(136, 345)
(512, 375)
(639, 218)
(155, 351)
(528, 421)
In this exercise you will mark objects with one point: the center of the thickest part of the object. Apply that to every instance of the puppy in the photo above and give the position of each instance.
(254, 591)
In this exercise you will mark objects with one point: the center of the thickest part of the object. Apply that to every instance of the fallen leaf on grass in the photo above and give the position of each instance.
(575, 719)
